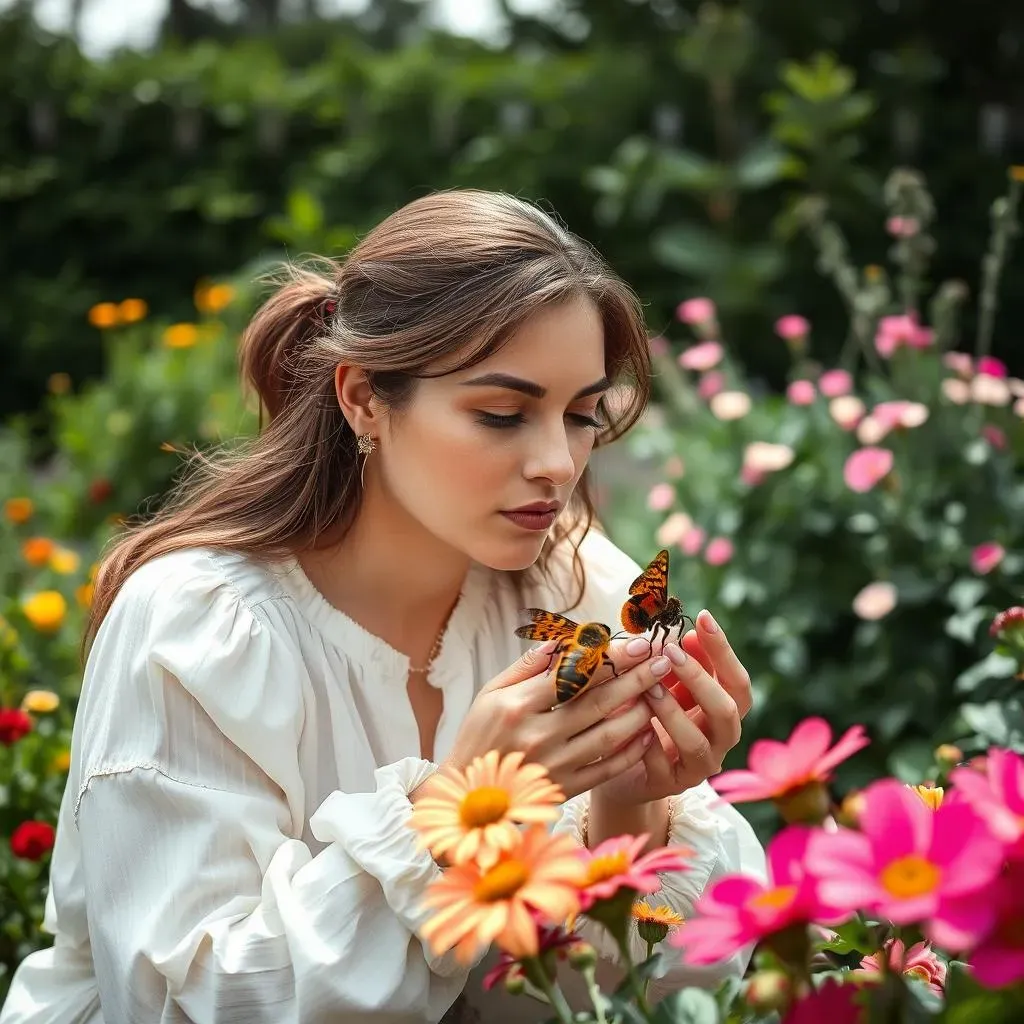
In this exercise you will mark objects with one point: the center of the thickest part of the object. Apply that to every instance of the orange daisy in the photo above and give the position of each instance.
(654, 923)
(538, 877)
(473, 815)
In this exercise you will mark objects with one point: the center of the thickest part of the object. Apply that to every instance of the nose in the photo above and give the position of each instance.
(551, 458)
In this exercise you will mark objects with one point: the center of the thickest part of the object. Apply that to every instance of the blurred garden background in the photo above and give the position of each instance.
(817, 203)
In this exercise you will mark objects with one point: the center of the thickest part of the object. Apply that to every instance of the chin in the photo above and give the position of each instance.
(510, 557)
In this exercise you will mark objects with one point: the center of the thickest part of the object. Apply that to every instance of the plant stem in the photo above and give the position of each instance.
(555, 997)
(596, 996)
(1004, 227)
(639, 987)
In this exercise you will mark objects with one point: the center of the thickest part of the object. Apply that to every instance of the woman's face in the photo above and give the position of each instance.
(485, 458)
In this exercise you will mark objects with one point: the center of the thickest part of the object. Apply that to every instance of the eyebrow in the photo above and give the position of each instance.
(529, 387)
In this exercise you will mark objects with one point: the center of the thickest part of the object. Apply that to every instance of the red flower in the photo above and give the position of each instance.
(1011, 618)
(32, 839)
(14, 724)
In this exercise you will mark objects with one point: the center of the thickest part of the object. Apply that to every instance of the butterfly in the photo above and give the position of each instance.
(582, 649)
(649, 605)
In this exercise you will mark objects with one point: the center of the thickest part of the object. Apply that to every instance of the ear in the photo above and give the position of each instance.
(358, 405)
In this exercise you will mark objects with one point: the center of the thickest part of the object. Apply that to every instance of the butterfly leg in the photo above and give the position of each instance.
(606, 660)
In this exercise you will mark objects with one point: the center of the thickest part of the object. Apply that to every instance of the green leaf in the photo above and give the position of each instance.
(761, 166)
(688, 1006)
(853, 937)
(994, 666)
(966, 593)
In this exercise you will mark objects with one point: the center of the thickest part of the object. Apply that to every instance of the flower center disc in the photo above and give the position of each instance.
(774, 899)
(483, 806)
(910, 876)
(607, 866)
(503, 881)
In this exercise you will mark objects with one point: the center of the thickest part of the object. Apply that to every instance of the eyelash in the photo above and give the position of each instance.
(490, 419)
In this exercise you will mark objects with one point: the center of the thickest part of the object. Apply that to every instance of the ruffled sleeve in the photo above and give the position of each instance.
(209, 897)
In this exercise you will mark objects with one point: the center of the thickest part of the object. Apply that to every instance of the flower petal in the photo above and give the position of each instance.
(852, 740)
(895, 820)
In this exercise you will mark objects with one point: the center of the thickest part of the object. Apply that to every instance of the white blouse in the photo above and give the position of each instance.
(232, 843)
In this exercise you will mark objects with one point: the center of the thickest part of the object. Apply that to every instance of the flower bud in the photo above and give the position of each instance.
(515, 981)
(851, 809)
(947, 755)
(651, 931)
(808, 805)
(581, 956)
(769, 991)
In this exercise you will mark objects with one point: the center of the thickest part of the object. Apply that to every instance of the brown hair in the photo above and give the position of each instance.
(454, 273)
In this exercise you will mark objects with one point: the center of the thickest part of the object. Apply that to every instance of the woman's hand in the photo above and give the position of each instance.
(600, 735)
(697, 718)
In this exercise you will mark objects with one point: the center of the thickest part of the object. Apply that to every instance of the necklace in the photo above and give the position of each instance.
(432, 657)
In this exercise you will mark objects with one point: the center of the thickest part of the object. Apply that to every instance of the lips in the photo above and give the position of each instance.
(535, 517)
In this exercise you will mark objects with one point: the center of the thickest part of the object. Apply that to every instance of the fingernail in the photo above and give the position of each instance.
(637, 646)
(709, 624)
(676, 654)
(657, 691)
(660, 667)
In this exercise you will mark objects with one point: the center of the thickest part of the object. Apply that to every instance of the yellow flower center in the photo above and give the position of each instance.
(774, 899)
(656, 915)
(918, 972)
(483, 806)
(502, 882)
(910, 876)
(930, 795)
(607, 866)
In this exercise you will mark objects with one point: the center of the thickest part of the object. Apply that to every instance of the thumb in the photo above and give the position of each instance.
(532, 663)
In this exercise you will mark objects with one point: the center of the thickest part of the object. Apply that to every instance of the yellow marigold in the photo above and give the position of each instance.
(37, 550)
(84, 594)
(40, 702)
(61, 762)
(64, 561)
(18, 510)
(132, 310)
(104, 314)
(45, 610)
(212, 298)
(58, 383)
(181, 336)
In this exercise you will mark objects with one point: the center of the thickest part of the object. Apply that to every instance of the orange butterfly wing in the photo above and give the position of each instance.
(546, 625)
(647, 596)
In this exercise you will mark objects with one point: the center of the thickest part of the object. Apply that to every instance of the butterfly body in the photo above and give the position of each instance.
(649, 605)
(581, 649)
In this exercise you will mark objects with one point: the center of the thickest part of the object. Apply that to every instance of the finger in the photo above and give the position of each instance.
(603, 738)
(601, 701)
(657, 762)
(693, 757)
(727, 667)
(692, 645)
(608, 768)
(722, 715)
(533, 662)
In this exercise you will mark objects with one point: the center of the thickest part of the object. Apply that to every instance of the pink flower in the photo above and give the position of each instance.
(659, 346)
(833, 383)
(987, 389)
(871, 430)
(661, 497)
(832, 1002)
(777, 769)
(866, 467)
(801, 392)
(673, 529)
(730, 405)
(750, 476)
(895, 332)
(998, 959)
(986, 557)
(956, 391)
(847, 411)
(900, 414)
(719, 551)
(997, 794)
(710, 384)
(738, 910)
(792, 327)
(766, 457)
(692, 541)
(960, 363)
(616, 864)
(902, 227)
(991, 367)
(705, 356)
(912, 864)
(920, 961)
(994, 436)
(875, 601)
(696, 311)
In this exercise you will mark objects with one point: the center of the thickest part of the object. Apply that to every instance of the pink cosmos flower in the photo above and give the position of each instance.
(900, 414)
(658, 345)
(956, 390)
(779, 768)
(673, 529)
(902, 227)
(994, 436)
(661, 497)
(696, 311)
(912, 864)
(875, 601)
(834, 383)
(989, 366)
(705, 356)
(866, 467)
(710, 384)
(896, 332)
(997, 794)
(692, 541)
(871, 430)
(832, 1002)
(719, 551)
(847, 411)
(617, 864)
(750, 476)
(960, 363)
(738, 910)
(801, 392)
(792, 327)
(920, 961)
(998, 959)
(986, 557)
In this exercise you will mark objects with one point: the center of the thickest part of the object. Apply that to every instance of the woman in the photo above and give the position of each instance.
(287, 652)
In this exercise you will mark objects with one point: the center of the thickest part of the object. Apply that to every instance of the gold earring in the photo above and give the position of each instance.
(366, 444)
